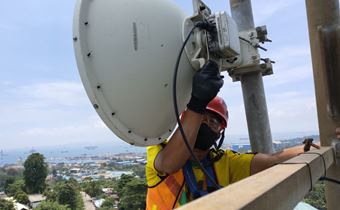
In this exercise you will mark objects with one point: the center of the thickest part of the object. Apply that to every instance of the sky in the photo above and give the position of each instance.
(43, 102)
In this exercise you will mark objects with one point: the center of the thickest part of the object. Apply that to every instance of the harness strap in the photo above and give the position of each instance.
(192, 182)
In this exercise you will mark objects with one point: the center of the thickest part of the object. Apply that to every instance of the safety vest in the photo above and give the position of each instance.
(170, 189)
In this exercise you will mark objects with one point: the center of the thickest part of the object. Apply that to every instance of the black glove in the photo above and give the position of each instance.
(205, 86)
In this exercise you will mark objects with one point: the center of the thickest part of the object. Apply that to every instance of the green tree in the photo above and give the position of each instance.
(21, 197)
(74, 183)
(139, 170)
(50, 205)
(93, 189)
(108, 203)
(54, 172)
(35, 173)
(6, 205)
(7, 181)
(317, 197)
(66, 194)
(50, 194)
(124, 179)
(17, 186)
(134, 195)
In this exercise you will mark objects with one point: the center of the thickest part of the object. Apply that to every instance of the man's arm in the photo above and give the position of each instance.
(205, 86)
(175, 153)
(264, 161)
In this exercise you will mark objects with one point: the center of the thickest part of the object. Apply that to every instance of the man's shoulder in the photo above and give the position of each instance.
(154, 149)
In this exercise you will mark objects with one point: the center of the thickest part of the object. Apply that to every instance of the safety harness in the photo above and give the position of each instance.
(192, 182)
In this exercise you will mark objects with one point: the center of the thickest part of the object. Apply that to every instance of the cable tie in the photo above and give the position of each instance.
(309, 169)
(323, 160)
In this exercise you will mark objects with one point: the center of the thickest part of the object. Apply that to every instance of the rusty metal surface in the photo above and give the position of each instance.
(330, 56)
(325, 14)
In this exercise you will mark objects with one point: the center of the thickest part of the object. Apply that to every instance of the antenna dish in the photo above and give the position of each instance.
(126, 52)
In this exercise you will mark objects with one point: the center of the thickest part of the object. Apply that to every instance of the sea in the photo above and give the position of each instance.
(62, 153)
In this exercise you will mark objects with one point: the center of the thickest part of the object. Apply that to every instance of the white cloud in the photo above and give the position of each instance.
(289, 111)
(56, 93)
(263, 9)
(87, 131)
(292, 112)
(293, 65)
(289, 53)
(48, 114)
(290, 75)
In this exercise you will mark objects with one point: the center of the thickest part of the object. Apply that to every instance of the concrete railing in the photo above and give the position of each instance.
(280, 187)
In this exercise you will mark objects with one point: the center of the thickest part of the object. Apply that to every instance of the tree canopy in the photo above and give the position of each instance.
(133, 195)
(21, 197)
(35, 173)
(92, 188)
(121, 183)
(16, 187)
(50, 205)
(316, 197)
(6, 205)
(108, 203)
(66, 194)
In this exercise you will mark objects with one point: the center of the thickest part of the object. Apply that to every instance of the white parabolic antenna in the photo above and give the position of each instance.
(126, 52)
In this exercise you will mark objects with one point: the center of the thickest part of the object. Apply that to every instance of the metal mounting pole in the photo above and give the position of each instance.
(324, 32)
(252, 87)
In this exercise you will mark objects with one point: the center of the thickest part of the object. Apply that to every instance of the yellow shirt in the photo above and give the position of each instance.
(230, 168)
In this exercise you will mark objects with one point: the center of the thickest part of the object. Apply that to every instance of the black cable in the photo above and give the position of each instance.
(309, 170)
(257, 45)
(323, 160)
(246, 40)
(323, 178)
(330, 180)
(180, 127)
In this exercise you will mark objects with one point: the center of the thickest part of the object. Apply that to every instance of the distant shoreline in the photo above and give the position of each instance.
(62, 152)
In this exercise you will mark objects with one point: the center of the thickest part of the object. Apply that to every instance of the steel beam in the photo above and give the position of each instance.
(323, 23)
(252, 87)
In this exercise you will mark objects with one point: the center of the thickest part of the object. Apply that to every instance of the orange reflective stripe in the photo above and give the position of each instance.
(173, 185)
(164, 195)
(154, 201)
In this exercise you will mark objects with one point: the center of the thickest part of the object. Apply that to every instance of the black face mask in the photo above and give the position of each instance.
(205, 137)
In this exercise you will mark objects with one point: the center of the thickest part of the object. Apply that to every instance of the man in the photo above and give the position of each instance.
(173, 178)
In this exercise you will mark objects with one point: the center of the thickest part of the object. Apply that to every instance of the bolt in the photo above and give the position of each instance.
(98, 86)
(95, 106)
(202, 7)
(129, 131)
(113, 114)
(145, 139)
(75, 38)
(86, 23)
(89, 54)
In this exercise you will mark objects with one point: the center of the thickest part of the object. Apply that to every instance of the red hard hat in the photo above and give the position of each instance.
(218, 106)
